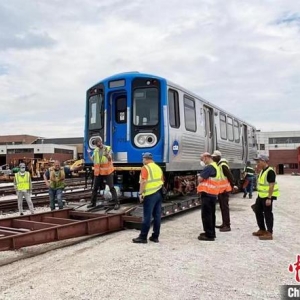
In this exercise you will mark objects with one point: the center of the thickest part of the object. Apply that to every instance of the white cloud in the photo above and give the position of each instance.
(242, 56)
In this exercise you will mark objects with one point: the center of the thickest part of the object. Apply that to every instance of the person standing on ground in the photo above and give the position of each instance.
(208, 188)
(249, 174)
(23, 187)
(268, 191)
(54, 178)
(103, 171)
(226, 185)
(151, 195)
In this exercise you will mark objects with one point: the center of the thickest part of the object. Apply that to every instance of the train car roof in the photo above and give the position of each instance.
(133, 74)
(130, 74)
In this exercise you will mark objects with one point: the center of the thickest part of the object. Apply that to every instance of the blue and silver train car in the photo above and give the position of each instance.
(135, 113)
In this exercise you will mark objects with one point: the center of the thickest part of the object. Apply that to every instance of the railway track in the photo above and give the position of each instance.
(41, 200)
(40, 187)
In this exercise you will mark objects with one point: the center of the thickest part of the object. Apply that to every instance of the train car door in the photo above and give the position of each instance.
(208, 129)
(119, 126)
(245, 143)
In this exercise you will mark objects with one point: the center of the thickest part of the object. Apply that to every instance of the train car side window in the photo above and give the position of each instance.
(230, 129)
(223, 129)
(173, 100)
(121, 110)
(236, 126)
(190, 114)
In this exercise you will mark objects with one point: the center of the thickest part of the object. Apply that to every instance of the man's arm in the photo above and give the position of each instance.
(228, 174)
(108, 154)
(271, 178)
(143, 182)
(208, 171)
(46, 178)
(271, 189)
(89, 154)
(68, 172)
(15, 183)
(30, 183)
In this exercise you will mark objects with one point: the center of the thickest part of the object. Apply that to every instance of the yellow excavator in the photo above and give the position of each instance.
(75, 166)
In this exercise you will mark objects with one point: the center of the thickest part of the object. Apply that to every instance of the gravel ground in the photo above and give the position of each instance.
(235, 266)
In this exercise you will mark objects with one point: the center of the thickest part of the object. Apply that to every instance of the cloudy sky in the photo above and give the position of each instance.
(243, 56)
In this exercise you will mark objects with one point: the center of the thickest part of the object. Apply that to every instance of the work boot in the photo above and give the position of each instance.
(153, 239)
(259, 232)
(245, 194)
(250, 196)
(117, 206)
(225, 229)
(139, 240)
(203, 234)
(220, 226)
(91, 205)
(267, 236)
(205, 238)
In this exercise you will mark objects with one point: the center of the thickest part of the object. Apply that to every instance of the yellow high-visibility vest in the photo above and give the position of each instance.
(263, 185)
(22, 181)
(154, 181)
(102, 166)
(224, 182)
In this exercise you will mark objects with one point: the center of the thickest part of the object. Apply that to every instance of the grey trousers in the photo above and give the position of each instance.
(28, 200)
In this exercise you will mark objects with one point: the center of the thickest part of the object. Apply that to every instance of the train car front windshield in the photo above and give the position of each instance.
(145, 106)
(95, 111)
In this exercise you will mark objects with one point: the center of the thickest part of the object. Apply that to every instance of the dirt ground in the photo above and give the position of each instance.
(236, 266)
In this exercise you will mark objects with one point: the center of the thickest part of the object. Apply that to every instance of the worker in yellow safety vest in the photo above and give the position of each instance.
(268, 191)
(103, 172)
(227, 184)
(150, 194)
(209, 187)
(23, 187)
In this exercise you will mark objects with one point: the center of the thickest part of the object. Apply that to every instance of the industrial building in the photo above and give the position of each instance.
(17, 148)
(283, 148)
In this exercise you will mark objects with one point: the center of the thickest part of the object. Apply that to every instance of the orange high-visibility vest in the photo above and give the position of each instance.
(224, 182)
(211, 185)
(102, 166)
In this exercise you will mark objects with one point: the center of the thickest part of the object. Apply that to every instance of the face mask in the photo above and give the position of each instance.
(202, 163)
(22, 170)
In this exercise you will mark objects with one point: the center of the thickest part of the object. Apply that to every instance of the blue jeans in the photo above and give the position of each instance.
(249, 187)
(58, 194)
(151, 208)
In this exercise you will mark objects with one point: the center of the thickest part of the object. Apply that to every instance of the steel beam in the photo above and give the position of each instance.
(51, 230)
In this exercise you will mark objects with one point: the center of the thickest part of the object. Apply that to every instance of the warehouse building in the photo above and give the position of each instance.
(283, 148)
(17, 148)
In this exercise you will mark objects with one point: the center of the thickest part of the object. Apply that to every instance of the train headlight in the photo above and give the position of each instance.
(92, 143)
(144, 140)
(141, 140)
